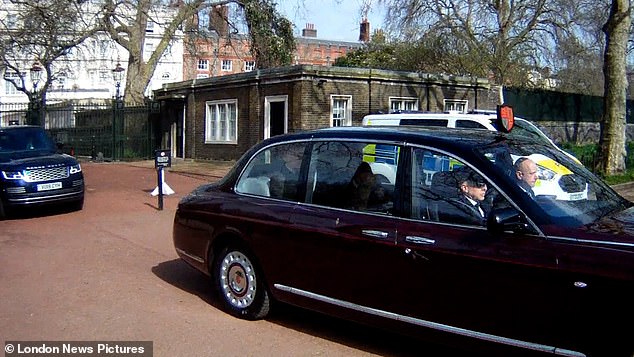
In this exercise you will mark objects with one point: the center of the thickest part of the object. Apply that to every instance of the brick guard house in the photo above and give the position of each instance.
(219, 118)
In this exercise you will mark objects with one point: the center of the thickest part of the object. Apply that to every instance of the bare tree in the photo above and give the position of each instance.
(504, 35)
(613, 123)
(126, 22)
(40, 31)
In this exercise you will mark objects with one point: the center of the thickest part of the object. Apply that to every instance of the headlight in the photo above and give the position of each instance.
(75, 169)
(545, 174)
(13, 175)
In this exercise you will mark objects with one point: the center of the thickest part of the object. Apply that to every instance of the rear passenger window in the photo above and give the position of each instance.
(353, 175)
(274, 172)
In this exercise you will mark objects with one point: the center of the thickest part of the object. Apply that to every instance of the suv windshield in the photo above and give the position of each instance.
(27, 139)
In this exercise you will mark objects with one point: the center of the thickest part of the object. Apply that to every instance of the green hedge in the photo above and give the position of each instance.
(589, 156)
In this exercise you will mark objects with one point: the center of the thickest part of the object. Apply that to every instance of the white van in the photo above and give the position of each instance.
(550, 174)
(482, 119)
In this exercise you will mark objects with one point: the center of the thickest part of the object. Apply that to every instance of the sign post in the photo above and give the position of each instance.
(162, 159)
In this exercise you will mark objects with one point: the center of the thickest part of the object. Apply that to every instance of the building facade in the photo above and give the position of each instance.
(220, 52)
(85, 73)
(219, 118)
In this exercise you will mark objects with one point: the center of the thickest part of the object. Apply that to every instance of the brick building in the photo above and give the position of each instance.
(222, 53)
(219, 118)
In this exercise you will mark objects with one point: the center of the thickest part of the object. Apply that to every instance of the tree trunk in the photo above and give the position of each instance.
(136, 81)
(613, 123)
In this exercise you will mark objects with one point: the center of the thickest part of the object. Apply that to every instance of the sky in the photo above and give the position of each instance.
(333, 20)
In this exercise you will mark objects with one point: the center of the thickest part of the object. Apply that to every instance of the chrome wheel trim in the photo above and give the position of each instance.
(237, 280)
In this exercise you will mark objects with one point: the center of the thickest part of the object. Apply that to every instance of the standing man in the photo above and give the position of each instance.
(526, 174)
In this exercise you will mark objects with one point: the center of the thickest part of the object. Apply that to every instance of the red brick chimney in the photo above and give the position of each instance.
(364, 31)
(309, 31)
(218, 20)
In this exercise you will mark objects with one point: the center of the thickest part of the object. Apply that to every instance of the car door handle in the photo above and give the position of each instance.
(374, 233)
(420, 240)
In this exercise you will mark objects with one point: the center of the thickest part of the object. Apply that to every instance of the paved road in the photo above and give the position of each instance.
(109, 272)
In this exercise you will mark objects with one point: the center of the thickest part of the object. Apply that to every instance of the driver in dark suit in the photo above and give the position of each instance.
(472, 188)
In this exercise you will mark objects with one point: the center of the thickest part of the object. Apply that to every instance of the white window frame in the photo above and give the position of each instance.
(340, 115)
(221, 122)
(226, 65)
(403, 103)
(203, 65)
(9, 88)
(455, 105)
(249, 66)
(104, 76)
(149, 27)
(149, 47)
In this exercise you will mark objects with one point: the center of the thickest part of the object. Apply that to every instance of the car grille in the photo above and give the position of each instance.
(16, 190)
(572, 183)
(39, 175)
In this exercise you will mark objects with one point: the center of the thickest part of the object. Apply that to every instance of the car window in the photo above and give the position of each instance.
(274, 172)
(470, 124)
(527, 130)
(445, 190)
(564, 190)
(25, 139)
(426, 122)
(353, 175)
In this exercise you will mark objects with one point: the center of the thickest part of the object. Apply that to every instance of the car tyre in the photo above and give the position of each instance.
(240, 285)
(2, 212)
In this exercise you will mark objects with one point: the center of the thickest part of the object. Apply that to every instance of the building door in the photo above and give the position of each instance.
(169, 131)
(275, 115)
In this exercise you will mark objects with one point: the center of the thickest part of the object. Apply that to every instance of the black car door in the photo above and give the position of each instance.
(492, 286)
(340, 247)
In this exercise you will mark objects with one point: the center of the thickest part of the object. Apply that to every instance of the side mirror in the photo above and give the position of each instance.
(507, 220)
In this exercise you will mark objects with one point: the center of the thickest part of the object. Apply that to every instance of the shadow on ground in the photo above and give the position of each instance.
(351, 334)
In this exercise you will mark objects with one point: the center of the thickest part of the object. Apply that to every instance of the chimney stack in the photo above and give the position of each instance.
(364, 31)
(218, 19)
(309, 31)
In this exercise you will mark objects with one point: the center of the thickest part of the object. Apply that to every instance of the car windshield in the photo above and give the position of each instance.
(28, 139)
(564, 190)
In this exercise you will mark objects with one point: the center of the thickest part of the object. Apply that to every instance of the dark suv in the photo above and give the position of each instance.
(32, 172)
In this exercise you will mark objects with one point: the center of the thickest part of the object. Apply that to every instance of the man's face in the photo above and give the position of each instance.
(528, 172)
(474, 191)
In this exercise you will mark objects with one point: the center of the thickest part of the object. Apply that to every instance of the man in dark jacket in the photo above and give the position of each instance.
(526, 174)
(472, 191)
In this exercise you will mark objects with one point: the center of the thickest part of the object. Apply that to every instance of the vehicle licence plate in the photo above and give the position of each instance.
(577, 196)
(49, 186)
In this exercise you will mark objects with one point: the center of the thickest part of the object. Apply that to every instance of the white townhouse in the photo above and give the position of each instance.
(85, 74)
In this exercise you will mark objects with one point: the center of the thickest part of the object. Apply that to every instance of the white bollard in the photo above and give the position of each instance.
(167, 190)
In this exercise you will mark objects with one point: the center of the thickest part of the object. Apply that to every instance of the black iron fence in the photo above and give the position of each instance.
(108, 131)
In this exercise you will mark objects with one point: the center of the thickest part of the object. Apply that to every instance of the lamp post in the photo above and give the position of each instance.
(35, 73)
(117, 75)
(117, 120)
